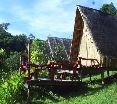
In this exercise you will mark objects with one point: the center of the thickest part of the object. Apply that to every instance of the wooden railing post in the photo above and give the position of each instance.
(28, 68)
(52, 72)
(28, 64)
(36, 73)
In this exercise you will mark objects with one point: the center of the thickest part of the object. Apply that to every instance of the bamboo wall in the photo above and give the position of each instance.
(87, 47)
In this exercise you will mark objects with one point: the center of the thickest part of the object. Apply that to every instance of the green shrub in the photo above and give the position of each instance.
(10, 87)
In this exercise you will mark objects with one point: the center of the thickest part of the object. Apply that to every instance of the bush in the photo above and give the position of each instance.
(9, 88)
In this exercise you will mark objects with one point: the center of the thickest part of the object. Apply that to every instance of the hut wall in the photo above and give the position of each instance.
(88, 48)
(113, 63)
(110, 62)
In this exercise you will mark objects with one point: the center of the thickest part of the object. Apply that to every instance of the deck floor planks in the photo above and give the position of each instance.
(56, 82)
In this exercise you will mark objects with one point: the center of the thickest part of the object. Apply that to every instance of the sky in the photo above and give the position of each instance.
(44, 18)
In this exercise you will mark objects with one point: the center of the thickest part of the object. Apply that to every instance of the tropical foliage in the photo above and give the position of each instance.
(39, 52)
(11, 83)
(109, 8)
(10, 88)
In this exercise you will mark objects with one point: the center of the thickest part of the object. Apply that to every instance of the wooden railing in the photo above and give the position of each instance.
(62, 69)
(54, 68)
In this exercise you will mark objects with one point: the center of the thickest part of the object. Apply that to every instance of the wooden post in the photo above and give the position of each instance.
(108, 72)
(28, 94)
(36, 73)
(20, 63)
(102, 76)
(52, 71)
(90, 76)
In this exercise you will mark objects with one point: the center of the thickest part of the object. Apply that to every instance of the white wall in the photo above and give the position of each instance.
(87, 46)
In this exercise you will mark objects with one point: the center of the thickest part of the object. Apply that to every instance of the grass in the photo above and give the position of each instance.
(91, 95)
(97, 77)
(94, 93)
(12, 92)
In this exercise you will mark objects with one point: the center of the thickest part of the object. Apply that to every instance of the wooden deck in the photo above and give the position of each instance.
(56, 82)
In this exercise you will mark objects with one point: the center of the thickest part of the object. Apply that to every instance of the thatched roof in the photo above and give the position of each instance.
(103, 28)
(65, 43)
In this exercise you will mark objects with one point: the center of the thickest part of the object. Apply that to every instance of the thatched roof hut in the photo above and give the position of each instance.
(59, 47)
(94, 36)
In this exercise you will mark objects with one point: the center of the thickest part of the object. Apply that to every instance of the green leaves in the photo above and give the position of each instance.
(59, 53)
(4, 26)
(10, 42)
(39, 52)
(37, 57)
(10, 87)
(109, 8)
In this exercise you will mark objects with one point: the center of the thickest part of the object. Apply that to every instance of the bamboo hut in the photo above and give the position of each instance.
(94, 37)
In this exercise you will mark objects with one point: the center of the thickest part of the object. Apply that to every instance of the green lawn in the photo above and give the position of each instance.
(12, 93)
(95, 93)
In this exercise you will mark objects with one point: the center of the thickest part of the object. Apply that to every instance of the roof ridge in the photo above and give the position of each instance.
(95, 9)
(58, 37)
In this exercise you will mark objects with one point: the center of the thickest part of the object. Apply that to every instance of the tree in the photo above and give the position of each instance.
(18, 43)
(39, 52)
(10, 42)
(59, 53)
(4, 26)
(5, 37)
(12, 62)
(109, 8)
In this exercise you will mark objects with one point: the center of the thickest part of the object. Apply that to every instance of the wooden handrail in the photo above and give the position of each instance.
(89, 59)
